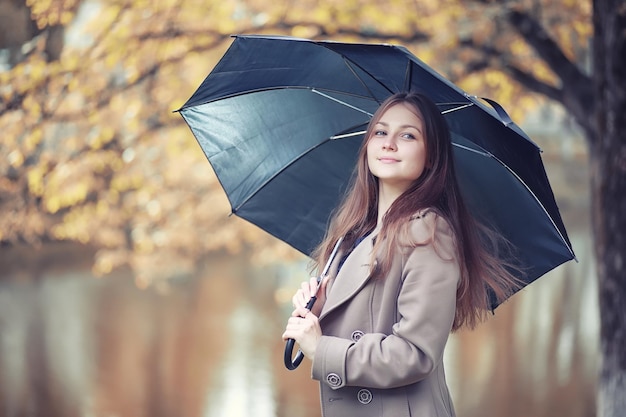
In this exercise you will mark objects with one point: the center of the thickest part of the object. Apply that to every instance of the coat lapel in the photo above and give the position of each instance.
(352, 276)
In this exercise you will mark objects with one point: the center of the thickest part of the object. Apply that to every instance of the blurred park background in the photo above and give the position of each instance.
(126, 289)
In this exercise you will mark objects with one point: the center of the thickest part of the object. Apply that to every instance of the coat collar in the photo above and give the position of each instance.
(355, 272)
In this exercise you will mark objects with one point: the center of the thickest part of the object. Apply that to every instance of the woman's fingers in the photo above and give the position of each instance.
(297, 326)
(294, 327)
(300, 312)
(309, 288)
(303, 295)
(306, 331)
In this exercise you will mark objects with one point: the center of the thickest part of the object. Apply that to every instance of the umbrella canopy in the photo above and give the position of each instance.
(281, 120)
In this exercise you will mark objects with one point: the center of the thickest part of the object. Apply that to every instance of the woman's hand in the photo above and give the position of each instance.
(304, 327)
(307, 290)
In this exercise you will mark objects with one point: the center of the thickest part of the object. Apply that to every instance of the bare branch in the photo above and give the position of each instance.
(526, 79)
(579, 84)
(577, 92)
(533, 83)
(546, 47)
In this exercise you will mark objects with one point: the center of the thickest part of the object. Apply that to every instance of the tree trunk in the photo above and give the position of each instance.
(608, 159)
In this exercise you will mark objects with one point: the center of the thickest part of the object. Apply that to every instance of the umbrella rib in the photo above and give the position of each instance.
(260, 187)
(316, 91)
(347, 135)
(456, 108)
(252, 194)
(288, 87)
(521, 181)
(348, 62)
(538, 202)
(483, 153)
(408, 76)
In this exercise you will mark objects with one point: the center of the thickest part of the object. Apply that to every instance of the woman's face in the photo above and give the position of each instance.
(396, 150)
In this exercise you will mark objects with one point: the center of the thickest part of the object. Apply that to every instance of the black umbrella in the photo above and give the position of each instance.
(281, 120)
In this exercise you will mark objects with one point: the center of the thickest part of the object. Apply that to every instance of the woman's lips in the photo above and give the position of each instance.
(387, 160)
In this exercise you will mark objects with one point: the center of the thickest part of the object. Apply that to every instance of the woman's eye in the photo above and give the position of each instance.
(380, 133)
(408, 136)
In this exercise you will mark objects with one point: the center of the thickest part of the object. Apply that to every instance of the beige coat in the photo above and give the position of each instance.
(381, 353)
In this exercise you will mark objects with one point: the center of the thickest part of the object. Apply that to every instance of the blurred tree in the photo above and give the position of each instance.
(93, 152)
(608, 158)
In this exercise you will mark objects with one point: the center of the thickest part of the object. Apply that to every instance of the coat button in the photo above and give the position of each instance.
(356, 335)
(364, 396)
(333, 379)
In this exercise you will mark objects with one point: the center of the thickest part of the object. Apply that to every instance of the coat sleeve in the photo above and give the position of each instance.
(426, 306)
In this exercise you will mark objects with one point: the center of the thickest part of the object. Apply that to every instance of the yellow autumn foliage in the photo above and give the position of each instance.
(92, 143)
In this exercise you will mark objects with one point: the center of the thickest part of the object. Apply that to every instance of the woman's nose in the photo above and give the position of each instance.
(389, 143)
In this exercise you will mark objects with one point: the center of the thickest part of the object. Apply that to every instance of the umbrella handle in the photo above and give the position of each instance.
(290, 363)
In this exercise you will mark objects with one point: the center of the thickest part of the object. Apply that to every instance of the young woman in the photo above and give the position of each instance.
(413, 266)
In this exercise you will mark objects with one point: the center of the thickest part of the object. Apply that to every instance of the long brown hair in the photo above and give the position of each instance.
(485, 271)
